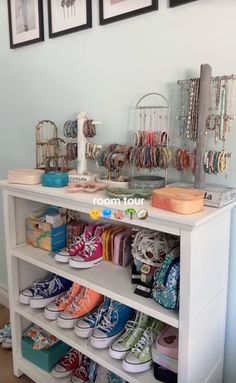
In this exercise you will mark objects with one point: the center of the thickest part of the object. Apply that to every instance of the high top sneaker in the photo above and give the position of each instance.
(92, 252)
(37, 286)
(5, 332)
(81, 374)
(139, 359)
(85, 302)
(52, 311)
(64, 255)
(68, 364)
(112, 325)
(85, 325)
(133, 332)
(54, 290)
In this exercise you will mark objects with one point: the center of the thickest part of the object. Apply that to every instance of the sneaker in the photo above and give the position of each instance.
(7, 343)
(65, 254)
(111, 325)
(81, 374)
(52, 311)
(92, 252)
(133, 332)
(68, 364)
(140, 357)
(37, 286)
(83, 304)
(54, 290)
(84, 326)
(5, 332)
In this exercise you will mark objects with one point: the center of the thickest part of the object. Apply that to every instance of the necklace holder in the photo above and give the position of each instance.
(209, 99)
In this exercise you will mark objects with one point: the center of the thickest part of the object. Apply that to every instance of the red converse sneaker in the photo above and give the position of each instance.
(64, 255)
(81, 374)
(92, 252)
(68, 364)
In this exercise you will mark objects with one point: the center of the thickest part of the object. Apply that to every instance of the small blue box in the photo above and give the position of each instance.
(55, 179)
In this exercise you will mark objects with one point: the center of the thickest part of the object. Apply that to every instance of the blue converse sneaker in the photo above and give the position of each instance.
(112, 325)
(5, 333)
(53, 290)
(34, 289)
(84, 326)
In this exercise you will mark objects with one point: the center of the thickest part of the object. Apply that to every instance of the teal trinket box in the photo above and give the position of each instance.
(44, 359)
(55, 179)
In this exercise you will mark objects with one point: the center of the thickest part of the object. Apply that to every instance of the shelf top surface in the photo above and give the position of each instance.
(85, 202)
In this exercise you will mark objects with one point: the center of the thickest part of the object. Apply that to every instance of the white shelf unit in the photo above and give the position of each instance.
(204, 243)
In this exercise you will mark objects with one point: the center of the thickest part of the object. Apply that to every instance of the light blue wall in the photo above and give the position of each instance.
(104, 71)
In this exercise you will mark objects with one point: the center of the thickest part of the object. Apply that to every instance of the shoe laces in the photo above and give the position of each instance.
(90, 247)
(38, 286)
(53, 286)
(83, 370)
(132, 329)
(96, 316)
(6, 330)
(109, 320)
(70, 358)
(64, 297)
(82, 300)
(144, 343)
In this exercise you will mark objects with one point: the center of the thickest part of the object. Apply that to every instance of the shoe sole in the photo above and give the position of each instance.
(118, 354)
(82, 332)
(62, 258)
(24, 299)
(41, 303)
(84, 265)
(6, 345)
(103, 342)
(51, 315)
(66, 323)
(133, 368)
(61, 374)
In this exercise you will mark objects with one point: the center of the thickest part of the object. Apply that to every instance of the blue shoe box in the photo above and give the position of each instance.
(44, 359)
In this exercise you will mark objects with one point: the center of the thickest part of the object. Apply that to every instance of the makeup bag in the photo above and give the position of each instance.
(165, 289)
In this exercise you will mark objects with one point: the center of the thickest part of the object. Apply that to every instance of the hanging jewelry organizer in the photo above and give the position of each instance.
(151, 141)
(45, 130)
(206, 112)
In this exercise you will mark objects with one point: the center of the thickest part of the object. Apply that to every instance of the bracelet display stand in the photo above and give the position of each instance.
(154, 123)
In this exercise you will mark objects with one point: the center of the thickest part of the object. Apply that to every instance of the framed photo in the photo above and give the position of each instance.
(115, 10)
(67, 16)
(25, 22)
(175, 3)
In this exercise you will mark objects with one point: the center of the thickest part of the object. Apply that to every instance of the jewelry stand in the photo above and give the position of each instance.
(214, 195)
(151, 122)
(82, 174)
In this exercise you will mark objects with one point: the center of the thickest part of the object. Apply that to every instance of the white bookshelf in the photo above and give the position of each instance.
(204, 242)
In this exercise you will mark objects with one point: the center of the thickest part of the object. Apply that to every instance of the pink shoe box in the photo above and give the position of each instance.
(167, 342)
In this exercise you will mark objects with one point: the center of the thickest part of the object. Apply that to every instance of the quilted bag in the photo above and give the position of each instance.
(165, 290)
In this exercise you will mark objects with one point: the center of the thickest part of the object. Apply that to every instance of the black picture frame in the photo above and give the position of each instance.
(13, 34)
(125, 15)
(86, 25)
(176, 3)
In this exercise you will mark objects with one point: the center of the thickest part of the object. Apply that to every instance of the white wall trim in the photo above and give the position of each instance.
(4, 299)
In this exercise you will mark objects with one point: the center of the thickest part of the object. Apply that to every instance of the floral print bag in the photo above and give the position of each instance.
(165, 290)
